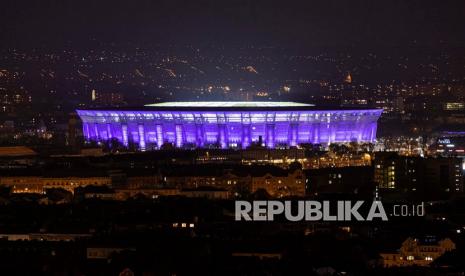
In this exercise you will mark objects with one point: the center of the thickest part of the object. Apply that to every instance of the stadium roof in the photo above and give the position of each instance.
(229, 104)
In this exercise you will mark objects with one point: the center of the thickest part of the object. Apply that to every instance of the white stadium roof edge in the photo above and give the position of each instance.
(230, 104)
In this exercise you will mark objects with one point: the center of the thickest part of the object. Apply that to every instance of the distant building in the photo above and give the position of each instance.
(27, 181)
(348, 78)
(44, 237)
(123, 194)
(74, 130)
(418, 252)
(431, 176)
(453, 106)
(206, 192)
(16, 151)
(104, 252)
(349, 180)
(278, 182)
(107, 98)
(92, 151)
(449, 144)
(96, 192)
(205, 180)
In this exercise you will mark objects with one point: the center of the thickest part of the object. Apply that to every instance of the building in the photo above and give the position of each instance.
(229, 124)
(202, 180)
(16, 151)
(279, 182)
(107, 98)
(123, 194)
(32, 181)
(450, 144)
(418, 252)
(276, 181)
(104, 252)
(346, 180)
(74, 131)
(206, 192)
(55, 237)
(432, 176)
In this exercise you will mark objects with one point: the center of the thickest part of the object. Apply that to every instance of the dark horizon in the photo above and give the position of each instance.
(335, 25)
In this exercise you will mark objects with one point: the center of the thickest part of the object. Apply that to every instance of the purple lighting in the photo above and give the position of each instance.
(237, 126)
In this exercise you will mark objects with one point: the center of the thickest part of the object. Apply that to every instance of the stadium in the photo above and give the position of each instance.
(229, 124)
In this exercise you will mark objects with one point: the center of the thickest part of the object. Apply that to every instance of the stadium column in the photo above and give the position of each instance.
(159, 133)
(246, 135)
(199, 135)
(373, 132)
(316, 133)
(87, 131)
(359, 125)
(179, 135)
(364, 127)
(124, 128)
(329, 133)
(109, 134)
(141, 132)
(222, 135)
(270, 135)
(97, 137)
(333, 125)
(292, 134)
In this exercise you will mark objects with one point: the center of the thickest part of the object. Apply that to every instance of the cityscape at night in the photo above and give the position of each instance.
(235, 137)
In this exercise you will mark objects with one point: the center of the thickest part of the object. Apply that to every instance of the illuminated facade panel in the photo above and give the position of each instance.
(234, 125)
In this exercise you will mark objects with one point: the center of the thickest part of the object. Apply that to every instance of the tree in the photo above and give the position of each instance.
(261, 194)
(113, 145)
(132, 146)
(354, 146)
(241, 190)
(167, 146)
(59, 194)
(334, 148)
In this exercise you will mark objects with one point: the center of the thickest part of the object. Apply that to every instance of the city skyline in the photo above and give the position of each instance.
(235, 137)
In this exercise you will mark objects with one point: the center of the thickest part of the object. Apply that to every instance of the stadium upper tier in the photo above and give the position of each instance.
(230, 124)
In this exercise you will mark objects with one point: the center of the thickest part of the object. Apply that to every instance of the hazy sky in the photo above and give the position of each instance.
(327, 22)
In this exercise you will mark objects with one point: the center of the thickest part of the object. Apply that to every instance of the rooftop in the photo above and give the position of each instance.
(16, 151)
(229, 104)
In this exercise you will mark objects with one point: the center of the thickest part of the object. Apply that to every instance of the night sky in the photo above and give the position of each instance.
(309, 23)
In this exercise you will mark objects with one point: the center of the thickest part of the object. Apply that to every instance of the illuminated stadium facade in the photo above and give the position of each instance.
(230, 124)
